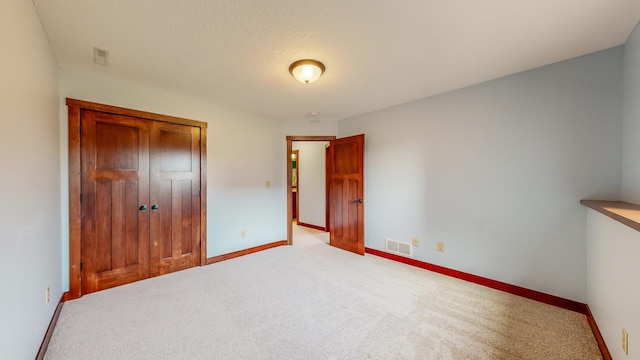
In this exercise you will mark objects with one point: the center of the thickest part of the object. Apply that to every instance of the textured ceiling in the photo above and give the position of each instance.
(378, 53)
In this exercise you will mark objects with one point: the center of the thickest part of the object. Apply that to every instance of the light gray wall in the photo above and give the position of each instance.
(311, 182)
(613, 288)
(613, 270)
(496, 172)
(30, 191)
(631, 139)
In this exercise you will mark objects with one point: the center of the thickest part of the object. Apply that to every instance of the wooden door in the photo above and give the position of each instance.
(114, 200)
(295, 175)
(346, 192)
(118, 159)
(175, 197)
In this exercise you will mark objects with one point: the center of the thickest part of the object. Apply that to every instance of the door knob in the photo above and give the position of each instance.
(155, 207)
(143, 207)
(360, 201)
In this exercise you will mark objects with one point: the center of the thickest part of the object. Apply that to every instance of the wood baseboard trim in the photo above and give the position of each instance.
(312, 226)
(606, 355)
(235, 254)
(52, 325)
(494, 284)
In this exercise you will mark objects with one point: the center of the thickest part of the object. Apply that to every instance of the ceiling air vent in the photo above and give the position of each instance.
(100, 56)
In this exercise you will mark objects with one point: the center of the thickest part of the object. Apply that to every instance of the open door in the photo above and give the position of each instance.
(346, 193)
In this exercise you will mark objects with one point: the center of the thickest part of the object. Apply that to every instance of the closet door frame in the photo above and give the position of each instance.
(75, 108)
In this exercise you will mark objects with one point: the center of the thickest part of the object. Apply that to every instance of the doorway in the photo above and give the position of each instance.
(290, 140)
(345, 176)
(308, 184)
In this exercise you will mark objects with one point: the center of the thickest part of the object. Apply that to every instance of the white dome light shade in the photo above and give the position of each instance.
(306, 71)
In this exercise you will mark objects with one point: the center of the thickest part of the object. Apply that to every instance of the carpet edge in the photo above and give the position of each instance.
(604, 350)
(52, 324)
(316, 227)
(251, 250)
(494, 284)
(509, 288)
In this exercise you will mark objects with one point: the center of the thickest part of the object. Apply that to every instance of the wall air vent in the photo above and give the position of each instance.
(100, 56)
(398, 247)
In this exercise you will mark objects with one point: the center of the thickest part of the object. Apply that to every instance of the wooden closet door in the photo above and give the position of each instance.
(175, 197)
(115, 184)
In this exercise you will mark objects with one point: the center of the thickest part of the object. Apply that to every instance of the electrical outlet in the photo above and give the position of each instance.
(416, 241)
(625, 341)
(243, 233)
(268, 184)
(47, 296)
(440, 246)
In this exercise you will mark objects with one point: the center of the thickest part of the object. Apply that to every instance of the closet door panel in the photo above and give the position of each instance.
(115, 183)
(175, 189)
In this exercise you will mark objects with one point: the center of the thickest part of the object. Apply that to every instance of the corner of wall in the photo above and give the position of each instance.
(631, 120)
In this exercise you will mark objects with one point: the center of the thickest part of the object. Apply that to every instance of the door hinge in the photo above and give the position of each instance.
(80, 266)
(80, 128)
(81, 198)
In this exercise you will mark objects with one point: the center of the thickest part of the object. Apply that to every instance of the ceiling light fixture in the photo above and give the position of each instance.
(307, 70)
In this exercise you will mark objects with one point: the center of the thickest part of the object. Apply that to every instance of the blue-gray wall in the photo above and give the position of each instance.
(613, 270)
(29, 184)
(631, 142)
(496, 172)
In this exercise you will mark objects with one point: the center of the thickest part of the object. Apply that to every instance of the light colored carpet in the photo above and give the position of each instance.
(312, 301)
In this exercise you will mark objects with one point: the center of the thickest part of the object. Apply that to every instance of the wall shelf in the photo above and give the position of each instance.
(624, 212)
